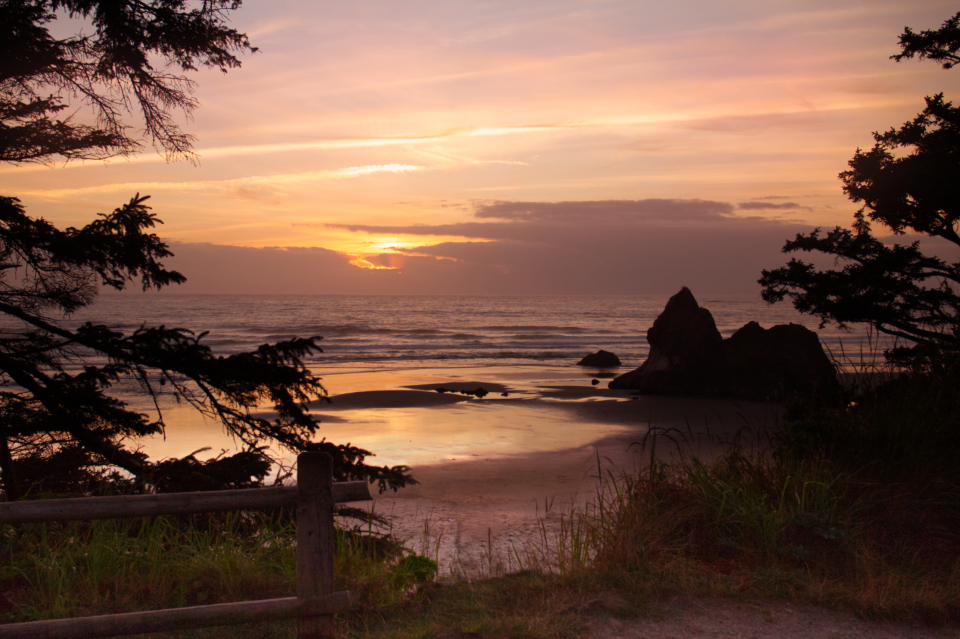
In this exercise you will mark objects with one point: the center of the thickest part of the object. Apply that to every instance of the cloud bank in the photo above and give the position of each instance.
(652, 246)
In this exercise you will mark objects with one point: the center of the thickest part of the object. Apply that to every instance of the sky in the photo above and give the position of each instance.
(521, 148)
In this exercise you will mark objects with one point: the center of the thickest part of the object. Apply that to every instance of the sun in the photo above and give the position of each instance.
(361, 262)
(379, 246)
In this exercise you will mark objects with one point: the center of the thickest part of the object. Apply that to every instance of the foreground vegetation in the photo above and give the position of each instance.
(854, 505)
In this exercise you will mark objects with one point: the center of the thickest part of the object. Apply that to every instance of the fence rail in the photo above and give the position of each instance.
(315, 603)
(87, 508)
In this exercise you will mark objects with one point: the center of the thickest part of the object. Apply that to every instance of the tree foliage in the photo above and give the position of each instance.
(59, 423)
(940, 45)
(909, 182)
(114, 70)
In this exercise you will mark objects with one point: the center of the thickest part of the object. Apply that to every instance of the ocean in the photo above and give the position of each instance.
(378, 332)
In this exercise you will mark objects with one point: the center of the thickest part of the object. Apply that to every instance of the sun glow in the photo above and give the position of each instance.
(382, 254)
(361, 262)
(389, 245)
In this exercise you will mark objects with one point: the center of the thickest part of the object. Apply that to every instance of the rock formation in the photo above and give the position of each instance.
(600, 359)
(686, 352)
(689, 357)
(783, 359)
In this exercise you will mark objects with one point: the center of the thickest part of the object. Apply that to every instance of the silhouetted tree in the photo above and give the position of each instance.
(57, 420)
(908, 182)
(940, 45)
(124, 65)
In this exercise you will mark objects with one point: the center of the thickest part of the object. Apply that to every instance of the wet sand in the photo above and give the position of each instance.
(498, 471)
(492, 469)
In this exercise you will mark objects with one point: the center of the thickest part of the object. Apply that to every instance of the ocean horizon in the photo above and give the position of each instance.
(377, 342)
(396, 331)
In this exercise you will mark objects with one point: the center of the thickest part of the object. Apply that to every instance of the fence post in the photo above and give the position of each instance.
(315, 539)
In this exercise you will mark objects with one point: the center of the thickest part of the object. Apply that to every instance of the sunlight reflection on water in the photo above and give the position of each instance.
(421, 434)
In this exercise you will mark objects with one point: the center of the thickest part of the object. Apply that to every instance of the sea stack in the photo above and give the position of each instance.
(786, 358)
(689, 357)
(686, 352)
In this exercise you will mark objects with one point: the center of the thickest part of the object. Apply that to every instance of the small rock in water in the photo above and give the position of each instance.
(595, 381)
(600, 359)
(481, 392)
(505, 394)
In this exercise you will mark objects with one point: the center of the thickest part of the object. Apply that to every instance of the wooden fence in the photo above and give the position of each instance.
(315, 603)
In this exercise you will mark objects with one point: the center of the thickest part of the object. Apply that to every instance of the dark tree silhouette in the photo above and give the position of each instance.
(58, 422)
(908, 182)
(114, 71)
(940, 45)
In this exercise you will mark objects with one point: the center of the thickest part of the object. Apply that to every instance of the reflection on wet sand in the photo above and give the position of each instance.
(491, 468)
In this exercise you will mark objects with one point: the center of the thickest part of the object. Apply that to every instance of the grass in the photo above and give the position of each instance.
(854, 505)
(753, 528)
(115, 566)
(524, 604)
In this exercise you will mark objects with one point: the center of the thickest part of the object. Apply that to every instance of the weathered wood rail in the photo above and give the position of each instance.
(315, 603)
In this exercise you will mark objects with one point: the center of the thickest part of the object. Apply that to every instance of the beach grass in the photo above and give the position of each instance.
(79, 569)
(115, 566)
(854, 504)
(751, 528)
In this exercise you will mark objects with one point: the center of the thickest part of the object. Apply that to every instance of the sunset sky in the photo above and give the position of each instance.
(621, 146)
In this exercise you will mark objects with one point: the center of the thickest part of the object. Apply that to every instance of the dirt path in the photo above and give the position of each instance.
(683, 618)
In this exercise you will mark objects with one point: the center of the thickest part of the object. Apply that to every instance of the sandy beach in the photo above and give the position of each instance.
(491, 469)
